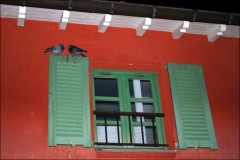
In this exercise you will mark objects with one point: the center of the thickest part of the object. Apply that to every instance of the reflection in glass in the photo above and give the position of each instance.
(106, 87)
(108, 106)
(148, 134)
(150, 131)
(145, 89)
(145, 108)
(112, 134)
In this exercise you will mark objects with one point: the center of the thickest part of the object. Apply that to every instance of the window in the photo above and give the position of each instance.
(127, 109)
(191, 106)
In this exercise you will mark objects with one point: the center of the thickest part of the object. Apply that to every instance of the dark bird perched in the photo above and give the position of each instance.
(75, 51)
(55, 49)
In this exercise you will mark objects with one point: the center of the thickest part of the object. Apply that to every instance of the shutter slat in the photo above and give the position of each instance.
(69, 89)
(70, 100)
(67, 125)
(69, 134)
(69, 121)
(68, 64)
(65, 71)
(199, 125)
(69, 80)
(70, 130)
(197, 138)
(71, 94)
(196, 129)
(191, 107)
(66, 74)
(194, 120)
(69, 109)
(69, 104)
(63, 83)
(68, 114)
(69, 86)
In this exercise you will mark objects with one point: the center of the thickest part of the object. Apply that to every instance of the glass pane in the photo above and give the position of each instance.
(109, 106)
(142, 107)
(148, 135)
(150, 131)
(112, 134)
(106, 87)
(137, 132)
(146, 88)
(140, 89)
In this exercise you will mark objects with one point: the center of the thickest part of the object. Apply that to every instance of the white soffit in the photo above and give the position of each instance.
(85, 18)
(9, 11)
(232, 31)
(164, 25)
(43, 14)
(53, 15)
(125, 21)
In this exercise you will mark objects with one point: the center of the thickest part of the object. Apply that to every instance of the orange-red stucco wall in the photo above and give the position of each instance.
(24, 84)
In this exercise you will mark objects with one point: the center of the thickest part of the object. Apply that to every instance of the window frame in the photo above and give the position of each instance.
(124, 99)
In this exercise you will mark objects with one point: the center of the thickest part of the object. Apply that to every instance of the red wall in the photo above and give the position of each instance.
(24, 83)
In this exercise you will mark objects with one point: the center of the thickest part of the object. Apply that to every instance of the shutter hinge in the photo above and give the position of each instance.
(71, 142)
(165, 67)
(196, 147)
(176, 144)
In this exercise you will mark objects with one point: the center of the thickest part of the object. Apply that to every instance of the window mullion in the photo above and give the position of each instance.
(126, 108)
(103, 98)
(123, 108)
(147, 100)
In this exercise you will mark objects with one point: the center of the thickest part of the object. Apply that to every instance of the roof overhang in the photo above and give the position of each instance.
(115, 14)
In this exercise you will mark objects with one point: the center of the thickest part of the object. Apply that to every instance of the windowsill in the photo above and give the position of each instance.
(98, 149)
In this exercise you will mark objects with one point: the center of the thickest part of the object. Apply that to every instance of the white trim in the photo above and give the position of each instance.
(21, 15)
(104, 23)
(64, 19)
(213, 31)
(181, 29)
(216, 32)
(144, 26)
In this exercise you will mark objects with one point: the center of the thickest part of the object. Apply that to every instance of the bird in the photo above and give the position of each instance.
(57, 49)
(75, 51)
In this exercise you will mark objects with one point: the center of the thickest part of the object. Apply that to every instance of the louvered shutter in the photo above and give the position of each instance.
(191, 106)
(69, 110)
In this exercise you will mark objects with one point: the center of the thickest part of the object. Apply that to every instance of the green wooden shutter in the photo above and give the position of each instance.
(69, 109)
(191, 106)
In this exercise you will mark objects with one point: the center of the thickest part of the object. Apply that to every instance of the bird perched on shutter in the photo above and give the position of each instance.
(75, 51)
(58, 49)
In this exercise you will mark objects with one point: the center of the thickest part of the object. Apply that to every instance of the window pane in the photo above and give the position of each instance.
(106, 87)
(150, 131)
(112, 134)
(108, 106)
(148, 135)
(142, 90)
(142, 107)
(146, 88)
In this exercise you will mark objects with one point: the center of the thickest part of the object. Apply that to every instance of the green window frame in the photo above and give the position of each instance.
(124, 100)
(191, 107)
(69, 108)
